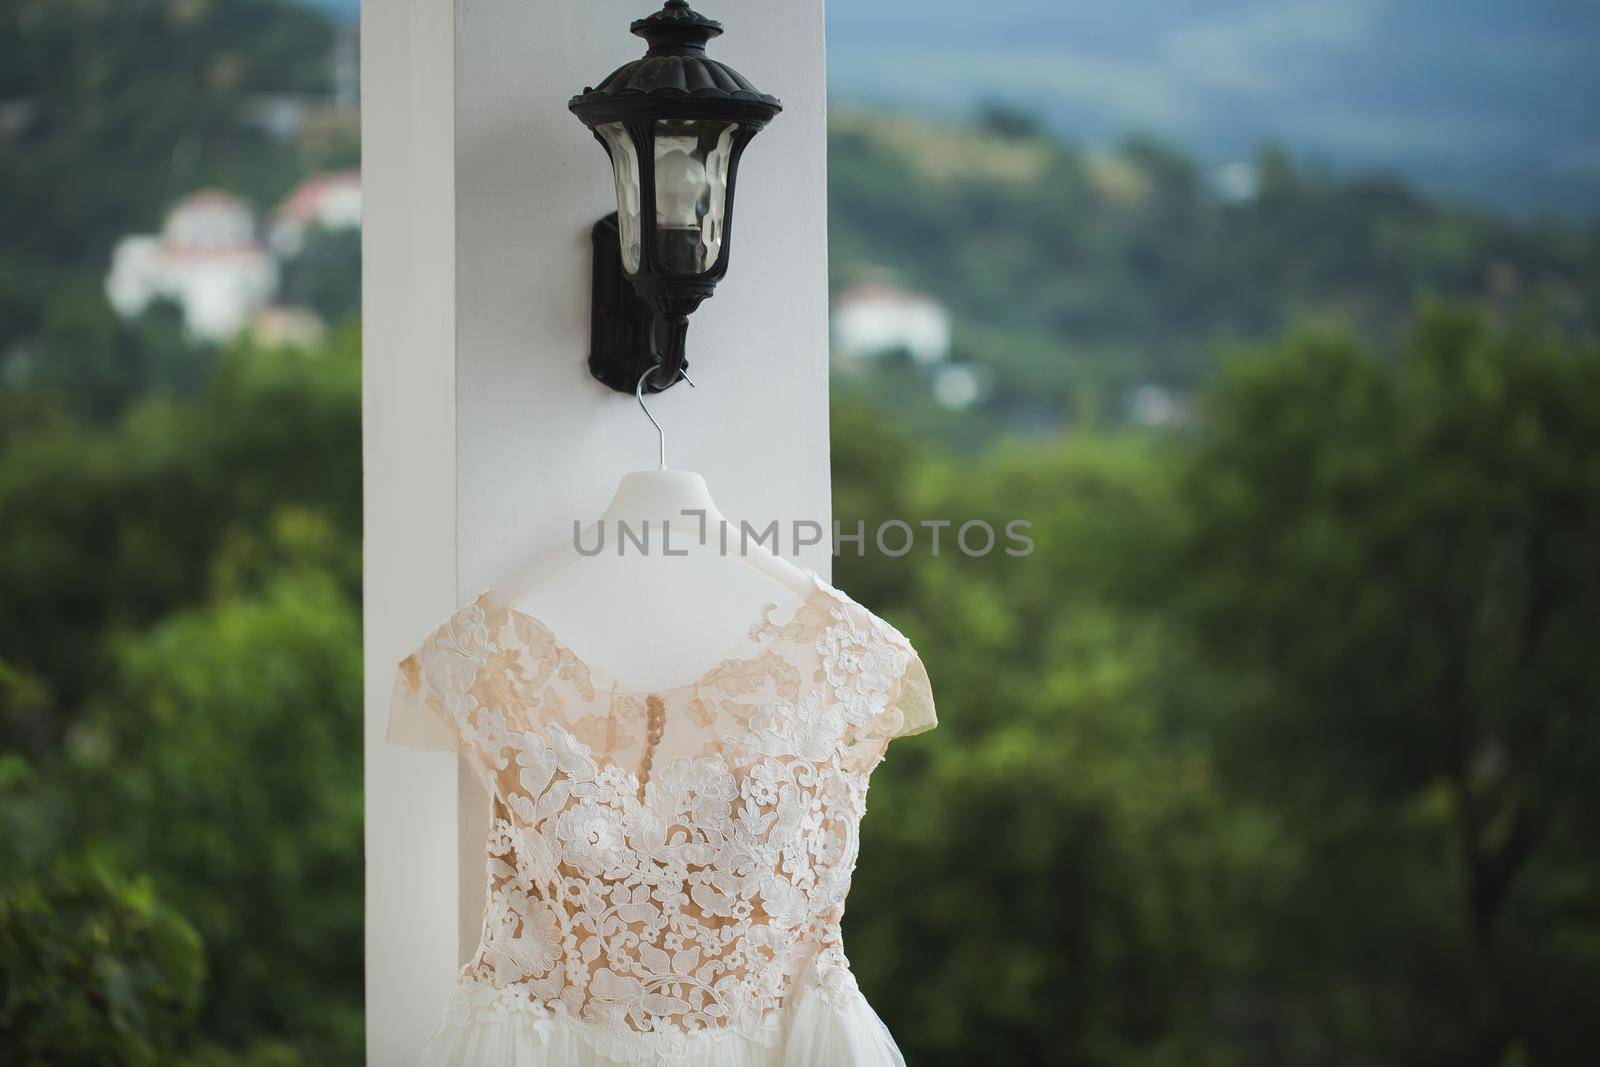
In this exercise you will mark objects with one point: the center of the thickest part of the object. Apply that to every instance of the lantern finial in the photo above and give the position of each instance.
(676, 26)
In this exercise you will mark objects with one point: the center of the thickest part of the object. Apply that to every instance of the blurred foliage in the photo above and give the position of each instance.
(1053, 876)
(1387, 572)
(87, 363)
(93, 969)
(326, 274)
(269, 866)
(1280, 749)
(117, 527)
(181, 698)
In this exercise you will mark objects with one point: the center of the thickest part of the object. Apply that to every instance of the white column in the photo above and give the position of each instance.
(409, 488)
(485, 437)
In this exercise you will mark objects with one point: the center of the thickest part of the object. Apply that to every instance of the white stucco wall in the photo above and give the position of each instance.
(485, 438)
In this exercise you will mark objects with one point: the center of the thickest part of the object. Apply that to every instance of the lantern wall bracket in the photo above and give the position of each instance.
(626, 335)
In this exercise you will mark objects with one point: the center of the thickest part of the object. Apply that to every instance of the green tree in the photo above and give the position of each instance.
(182, 690)
(1054, 875)
(118, 527)
(95, 969)
(1388, 576)
(241, 724)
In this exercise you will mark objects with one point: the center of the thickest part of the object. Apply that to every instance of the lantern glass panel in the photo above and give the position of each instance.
(625, 167)
(691, 157)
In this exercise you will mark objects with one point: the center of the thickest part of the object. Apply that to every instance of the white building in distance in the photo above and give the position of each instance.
(207, 260)
(329, 201)
(872, 321)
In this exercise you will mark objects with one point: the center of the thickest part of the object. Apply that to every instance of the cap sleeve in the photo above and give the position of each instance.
(897, 683)
(415, 719)
(912, 699)
(431, 706)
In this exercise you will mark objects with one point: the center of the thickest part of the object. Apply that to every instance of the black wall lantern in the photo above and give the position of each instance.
(674, 123)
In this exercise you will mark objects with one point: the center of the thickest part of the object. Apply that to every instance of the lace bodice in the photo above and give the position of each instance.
(671, 866)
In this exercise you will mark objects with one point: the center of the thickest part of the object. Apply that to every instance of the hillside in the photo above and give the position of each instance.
(1075, 276)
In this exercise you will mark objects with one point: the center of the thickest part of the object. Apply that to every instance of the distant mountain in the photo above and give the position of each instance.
(1481, 98)
(1475, 98)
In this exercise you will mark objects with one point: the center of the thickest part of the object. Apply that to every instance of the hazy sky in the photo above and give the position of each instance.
(1493, 96)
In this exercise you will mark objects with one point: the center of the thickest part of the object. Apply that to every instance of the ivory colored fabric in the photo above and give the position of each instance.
(667, 869)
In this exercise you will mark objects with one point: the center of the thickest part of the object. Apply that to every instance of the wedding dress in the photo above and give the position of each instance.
(667, 870)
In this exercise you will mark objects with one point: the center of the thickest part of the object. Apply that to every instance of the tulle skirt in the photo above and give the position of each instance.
(485, 1027)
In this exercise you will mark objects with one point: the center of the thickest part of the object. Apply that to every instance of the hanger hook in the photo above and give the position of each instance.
(661, 435)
